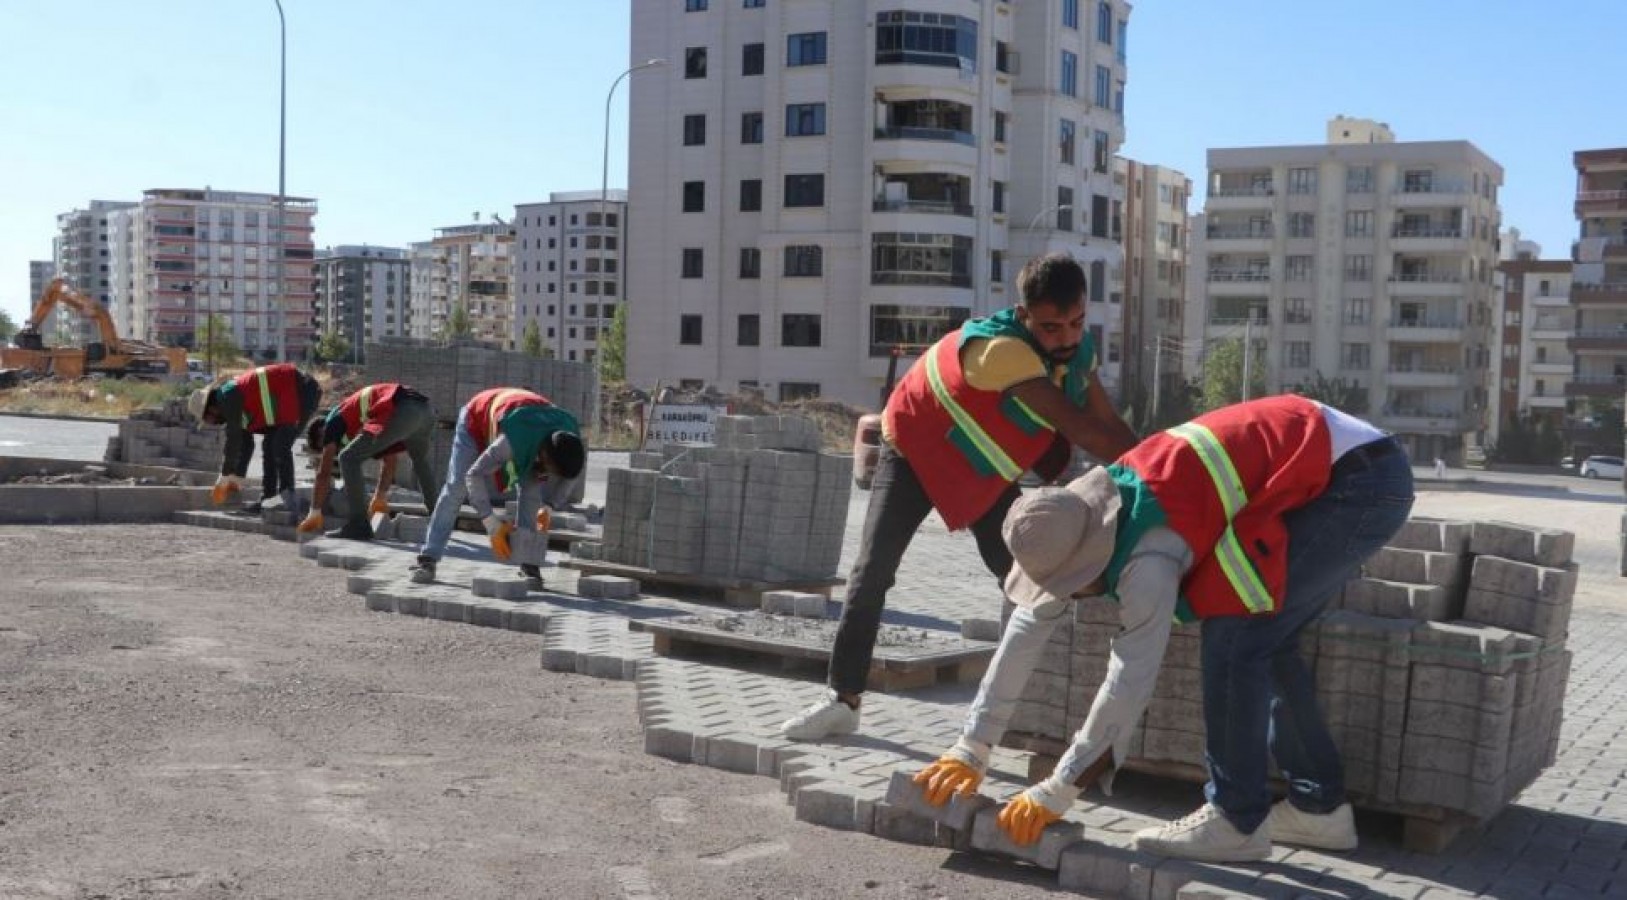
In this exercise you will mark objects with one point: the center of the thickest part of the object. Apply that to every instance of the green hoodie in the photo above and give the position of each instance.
(528, 428)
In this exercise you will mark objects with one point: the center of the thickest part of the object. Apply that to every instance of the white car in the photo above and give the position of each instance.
(1602, 467)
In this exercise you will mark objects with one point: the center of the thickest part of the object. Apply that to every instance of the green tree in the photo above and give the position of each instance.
(531, 340)
(458, 324)
(214, 341)
(7, 326)
(332, 347)
(613, 347)
(1223, 374)
(1338, 393)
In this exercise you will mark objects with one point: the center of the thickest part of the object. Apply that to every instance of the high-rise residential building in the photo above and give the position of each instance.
(1155, 277)
(363, 294)
(40, 273)
(467, 267)
(1599, 291)
(81, 256)
(1364, 259)
(193, 254)
(568, 270)
(1534, 328)
(813, 184)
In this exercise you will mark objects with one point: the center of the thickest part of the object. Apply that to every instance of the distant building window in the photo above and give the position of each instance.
(798, 390)
(693, 262)
(694, 5)
(695, 62)
(751, 263)
(1064, 209)
(1299, 354)
(805, 190)
(751, 59)
(807, 49)
(1070, 13)
(1301, 181)
(753, 4)
(1070, 74)
(804, 261)
(1065, 142)
(804, 119)
(695, 130)
(689, 330)
(999, 127)
(1104, 87)
(747, 329)
(751, 194)
(1104, 22)
(1359, 180)
(694, 197)
(751, 128)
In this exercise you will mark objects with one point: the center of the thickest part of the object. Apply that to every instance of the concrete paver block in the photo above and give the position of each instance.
(980, 629)
(607, 587)
(1099, 869)
(904, 795)
(499, 588)
(1542, 546)
(1045, 853)
(834, 805)
(527, 619)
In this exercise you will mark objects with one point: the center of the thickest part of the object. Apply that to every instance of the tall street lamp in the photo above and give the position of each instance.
(604, 171)
(282, 171)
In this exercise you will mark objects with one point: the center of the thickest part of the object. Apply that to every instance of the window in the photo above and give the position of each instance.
(921, 259)
(1301, 225)
(1299, 354)
(751, 59)
(1064, 209)
(746, 330)
(926, 39)
(751, 262)
(694, 5)
(751, 128)
(754, 4)
(798, 390)
(799, 330)
(693, 262)
(806, 49)
(751, 194)
(1357, 310)
(694, 198)
(1417, 181)
(1070, 13)
(1355, 356)
(695, 130)
(1065, 141)
(1104, 155)
(1104, 22)
(1099, 218)
(689, 330)
(912, 328)
(1070, 74)
(999, 196)
(1359, 223)
(804, 261)
(999, 127)
(1359, 180)
(1299, 268)
(804, 190)
(1104, 87)
(1098, 281)
(695, 62)
(1358, 267)
(804, 119)
(997, 266)
(1301, 181)
(1297, 310)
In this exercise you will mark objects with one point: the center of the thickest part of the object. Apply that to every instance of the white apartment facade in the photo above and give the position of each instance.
(1155, 275)
(40, 273)
(80, 254)
(363, 293)
(1365, 259)
(812, 184)
(568, 270)
(1599, 292)
(1536, 327)
(468, 266)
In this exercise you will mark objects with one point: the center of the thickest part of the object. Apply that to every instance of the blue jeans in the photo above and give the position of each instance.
(453, 490)
(1258, 694)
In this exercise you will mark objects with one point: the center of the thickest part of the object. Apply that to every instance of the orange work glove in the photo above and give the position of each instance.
(378, 505)
(499, 530)
(1027, 814)
(947, 777)
(225, 486)
(310, 523)
(545, 520)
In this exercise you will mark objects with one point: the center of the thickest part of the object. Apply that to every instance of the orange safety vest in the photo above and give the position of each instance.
(368, 410)
(270, 397)
(488, 407)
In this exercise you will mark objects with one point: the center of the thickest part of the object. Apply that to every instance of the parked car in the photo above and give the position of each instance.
(1602, 467)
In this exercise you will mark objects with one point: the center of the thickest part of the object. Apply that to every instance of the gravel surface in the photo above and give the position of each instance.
(187, 713)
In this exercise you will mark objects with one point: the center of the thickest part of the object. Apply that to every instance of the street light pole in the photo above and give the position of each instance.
(282, 171)
(1034, 222)
(604, 170)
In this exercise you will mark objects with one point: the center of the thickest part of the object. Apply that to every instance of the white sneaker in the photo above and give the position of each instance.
(827, 718)
(1325, 831)
(1206, 836)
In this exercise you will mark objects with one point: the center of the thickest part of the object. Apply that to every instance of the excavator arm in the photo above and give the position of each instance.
(60, 292)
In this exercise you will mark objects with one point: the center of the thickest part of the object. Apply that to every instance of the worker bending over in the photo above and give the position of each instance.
(379, 422)
(274, 401)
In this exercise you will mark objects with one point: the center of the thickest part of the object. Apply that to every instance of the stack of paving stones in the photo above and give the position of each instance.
(166, 436)
(763, 505)
(1441, 671)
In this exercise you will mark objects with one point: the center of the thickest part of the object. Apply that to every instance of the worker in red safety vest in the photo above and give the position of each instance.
(274, 401)
(1250, 518)
(380, 421)
(984, 404)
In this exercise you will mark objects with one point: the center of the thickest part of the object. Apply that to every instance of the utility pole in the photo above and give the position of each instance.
(1157, 376)
(1248, 352)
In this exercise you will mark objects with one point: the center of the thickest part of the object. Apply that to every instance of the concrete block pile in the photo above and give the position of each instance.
(1441, 670)
(762, 505)
(166, 436)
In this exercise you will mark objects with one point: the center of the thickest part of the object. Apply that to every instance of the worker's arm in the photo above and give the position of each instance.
(1095, 427)
(324, 476)
(236, 462)
(381, 494)
(480, 474)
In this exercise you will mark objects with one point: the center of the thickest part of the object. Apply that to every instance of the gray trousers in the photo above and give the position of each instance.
(412, 424)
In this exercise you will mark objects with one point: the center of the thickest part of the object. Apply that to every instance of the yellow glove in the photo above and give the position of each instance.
(499, 530)
(1024, 818)
(225, 485)
(310, 523)
(947, 777)
(545, 519)
(379, 505)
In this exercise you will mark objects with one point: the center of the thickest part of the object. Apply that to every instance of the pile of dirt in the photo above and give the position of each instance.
(836, 420)
(91, 475)
(814, 631)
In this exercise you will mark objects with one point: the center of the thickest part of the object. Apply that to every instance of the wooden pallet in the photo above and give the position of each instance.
(890, 669)
(1424, 829)
(738, 592)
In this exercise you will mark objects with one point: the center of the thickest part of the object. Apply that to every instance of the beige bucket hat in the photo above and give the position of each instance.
(1061, 538)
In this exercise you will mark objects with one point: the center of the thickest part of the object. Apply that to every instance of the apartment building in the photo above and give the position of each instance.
(40, 273)
(813, 184)
(1155, 276)
(80, 254)
(1535, 329)
(185, 254)
(363, 293)
(468, 267)
(1599, 292)
(568, 270)
(1367, 259)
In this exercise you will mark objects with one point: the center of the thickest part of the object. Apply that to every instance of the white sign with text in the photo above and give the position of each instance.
(683, 423)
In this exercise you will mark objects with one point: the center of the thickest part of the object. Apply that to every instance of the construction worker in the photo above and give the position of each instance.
(379, 421)
(1002, 390)
(1250, 518)
(509, 438)
(274, 401)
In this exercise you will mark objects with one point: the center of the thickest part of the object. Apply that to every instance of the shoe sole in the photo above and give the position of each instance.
(1213, 856)
(1314, 844)
(805, 738)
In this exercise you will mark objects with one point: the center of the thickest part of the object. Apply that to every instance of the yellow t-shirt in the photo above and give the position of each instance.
(995, 364)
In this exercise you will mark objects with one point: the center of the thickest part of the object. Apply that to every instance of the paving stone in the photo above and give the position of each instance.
(832, 804)
(380, 601)
(527, 619)
(607, 587)
(499, 588)
(904, 795)
(1432, 534)
(1542, 546)
(449, 609)
(1100, 869)
(977, 629)
(1045, 853)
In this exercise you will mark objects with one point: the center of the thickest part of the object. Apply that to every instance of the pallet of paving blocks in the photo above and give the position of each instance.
(166, 436)
(761, 510)
(1441, 672)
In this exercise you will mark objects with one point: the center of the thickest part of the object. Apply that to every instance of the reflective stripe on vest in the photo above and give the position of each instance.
(985, 446)
(1229, 551)
(492, 434)
(268, 407)
(364, 402)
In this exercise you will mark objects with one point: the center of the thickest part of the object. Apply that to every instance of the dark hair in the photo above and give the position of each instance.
(1054, 279)
(568, 453)
(313, 433)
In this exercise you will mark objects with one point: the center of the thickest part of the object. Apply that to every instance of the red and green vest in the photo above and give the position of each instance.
(270, 396)
(1223, 482)
(527, 419)
(368, 410)
(967, 445)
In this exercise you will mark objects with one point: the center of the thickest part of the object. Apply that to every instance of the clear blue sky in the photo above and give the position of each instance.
(405, 115)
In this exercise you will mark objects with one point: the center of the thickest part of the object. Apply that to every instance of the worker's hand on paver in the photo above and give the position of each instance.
(545, 519)
(946, 778)
(378, 505)
(1027, 814)
(499, 531)
(311, 523)
(225, 486)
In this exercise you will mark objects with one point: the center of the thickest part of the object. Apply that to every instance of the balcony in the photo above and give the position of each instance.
(1425, 375)
(1609, 293)
(1429, 421)
(1551, 331)
(1426, 284)
(1594, 203)
(1545, 401)
(1603, 386)
(1426, 329)
(923, 133)
(1552, 368)
(1609, 340)
(934, 207)
(1240, 196)
(1242, 237)
(1431, 191)
(1252, 275)
(1427, 238)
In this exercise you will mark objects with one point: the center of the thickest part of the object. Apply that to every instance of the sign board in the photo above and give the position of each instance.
(683, 423)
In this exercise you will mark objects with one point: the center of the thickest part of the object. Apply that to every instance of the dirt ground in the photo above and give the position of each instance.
(196, 714)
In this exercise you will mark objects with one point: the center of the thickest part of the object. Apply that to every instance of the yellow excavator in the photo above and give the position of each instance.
(112, 355)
